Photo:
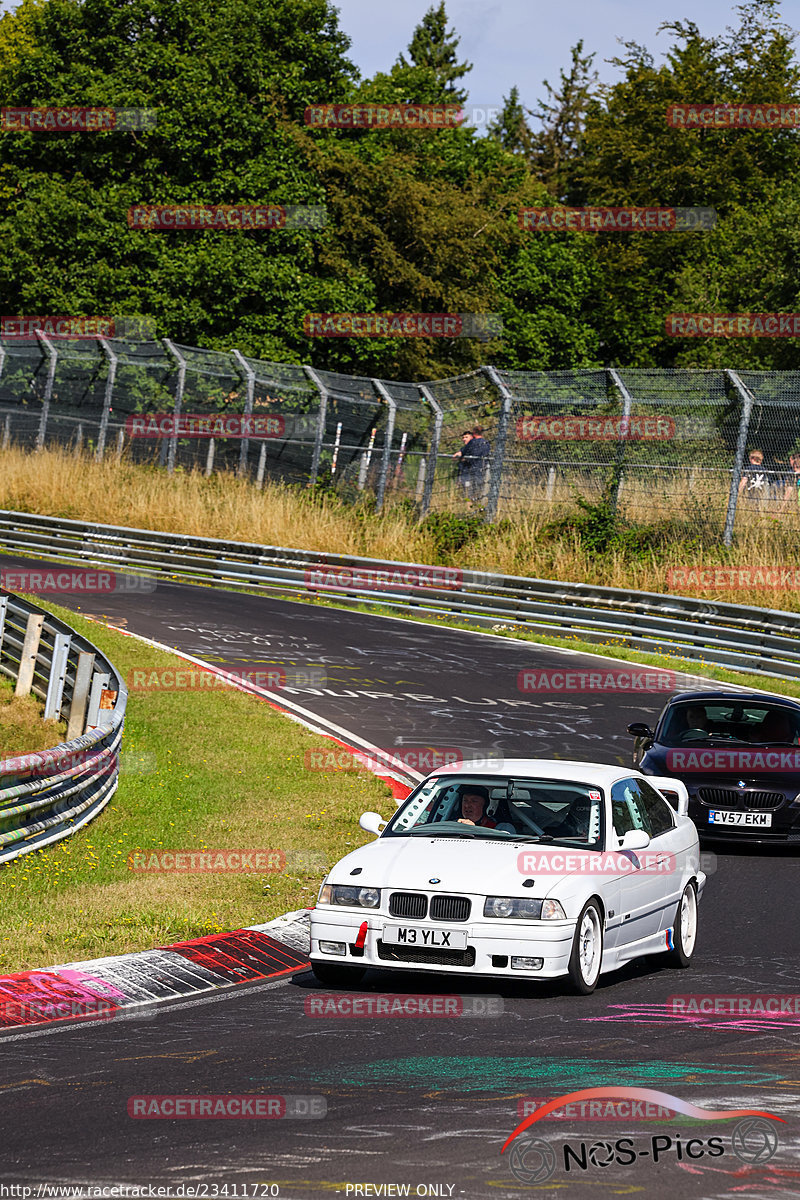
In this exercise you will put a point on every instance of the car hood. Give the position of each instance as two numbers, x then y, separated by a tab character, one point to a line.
654	762
484	867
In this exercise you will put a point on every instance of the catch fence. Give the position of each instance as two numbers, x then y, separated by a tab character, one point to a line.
685	443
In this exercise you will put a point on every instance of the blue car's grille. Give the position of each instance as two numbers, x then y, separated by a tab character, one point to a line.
734	798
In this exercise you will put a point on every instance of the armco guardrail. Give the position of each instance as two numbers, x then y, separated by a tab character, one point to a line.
753	640
49	795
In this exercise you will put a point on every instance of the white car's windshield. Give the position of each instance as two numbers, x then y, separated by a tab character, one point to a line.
502	807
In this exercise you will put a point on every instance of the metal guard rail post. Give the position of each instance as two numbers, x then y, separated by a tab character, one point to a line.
48	795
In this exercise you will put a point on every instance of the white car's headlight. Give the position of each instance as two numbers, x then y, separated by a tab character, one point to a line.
349	897
516	909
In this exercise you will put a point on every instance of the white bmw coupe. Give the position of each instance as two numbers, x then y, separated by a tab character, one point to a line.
538	869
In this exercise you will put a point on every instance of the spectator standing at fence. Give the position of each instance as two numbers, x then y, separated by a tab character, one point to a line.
791	484
473	460
755	481
462	467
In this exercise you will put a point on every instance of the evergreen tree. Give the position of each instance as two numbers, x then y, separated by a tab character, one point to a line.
557	145
434	49
511	129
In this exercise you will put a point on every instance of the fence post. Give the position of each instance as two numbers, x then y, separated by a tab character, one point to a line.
387	442
52	355
29	654
499	455
107	397
321	422
746	397
57	676
250	376
433	454
173	441
210	456
262	465
616	475
80	695
7	422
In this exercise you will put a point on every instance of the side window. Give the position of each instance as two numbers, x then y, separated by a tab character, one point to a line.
658	811
627	808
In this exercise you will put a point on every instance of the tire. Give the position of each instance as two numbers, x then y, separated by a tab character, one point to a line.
684	929
335	975
587	950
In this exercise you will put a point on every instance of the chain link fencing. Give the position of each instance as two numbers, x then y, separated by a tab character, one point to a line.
686	444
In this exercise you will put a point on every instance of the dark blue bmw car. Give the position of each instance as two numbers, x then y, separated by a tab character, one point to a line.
739	756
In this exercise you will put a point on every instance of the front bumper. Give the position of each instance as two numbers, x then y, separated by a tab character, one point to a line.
491	944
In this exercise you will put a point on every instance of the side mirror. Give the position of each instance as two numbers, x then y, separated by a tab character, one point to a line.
372	822
639	729
634	839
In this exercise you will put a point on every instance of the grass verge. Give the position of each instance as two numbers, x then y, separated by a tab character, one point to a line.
22	727
216	770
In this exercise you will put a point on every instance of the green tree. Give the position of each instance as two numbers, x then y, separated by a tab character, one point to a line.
224	86
511	129
557	145
433	49
630	156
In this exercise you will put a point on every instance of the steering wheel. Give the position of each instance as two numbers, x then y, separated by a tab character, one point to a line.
692	733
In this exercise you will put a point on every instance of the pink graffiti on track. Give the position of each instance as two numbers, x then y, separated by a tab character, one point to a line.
665	1014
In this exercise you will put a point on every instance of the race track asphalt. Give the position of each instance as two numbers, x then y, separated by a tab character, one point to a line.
423	1103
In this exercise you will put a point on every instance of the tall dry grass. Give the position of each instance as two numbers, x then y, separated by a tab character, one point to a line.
59	483
684	523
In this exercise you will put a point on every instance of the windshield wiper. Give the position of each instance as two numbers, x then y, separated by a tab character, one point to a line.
424	831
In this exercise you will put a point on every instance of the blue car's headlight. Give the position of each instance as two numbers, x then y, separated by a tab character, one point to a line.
349	897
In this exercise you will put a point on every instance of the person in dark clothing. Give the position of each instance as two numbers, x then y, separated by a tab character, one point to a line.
473	461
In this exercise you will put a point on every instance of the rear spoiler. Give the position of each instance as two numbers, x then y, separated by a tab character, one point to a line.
672	790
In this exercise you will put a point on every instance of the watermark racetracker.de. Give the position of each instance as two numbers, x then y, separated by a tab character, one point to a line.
77	120
220	425
24	328
226	1107
599	219
733	116
711	577
424	1005
391	577
60	581
482	326
234	218
195	861
270	677
638	680
772	325
423	759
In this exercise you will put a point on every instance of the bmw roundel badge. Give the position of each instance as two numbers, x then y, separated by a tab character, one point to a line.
434	881
742	783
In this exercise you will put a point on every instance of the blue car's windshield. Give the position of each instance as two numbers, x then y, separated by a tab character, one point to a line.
502	808
759	723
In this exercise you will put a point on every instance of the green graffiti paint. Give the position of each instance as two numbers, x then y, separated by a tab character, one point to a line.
495	1073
